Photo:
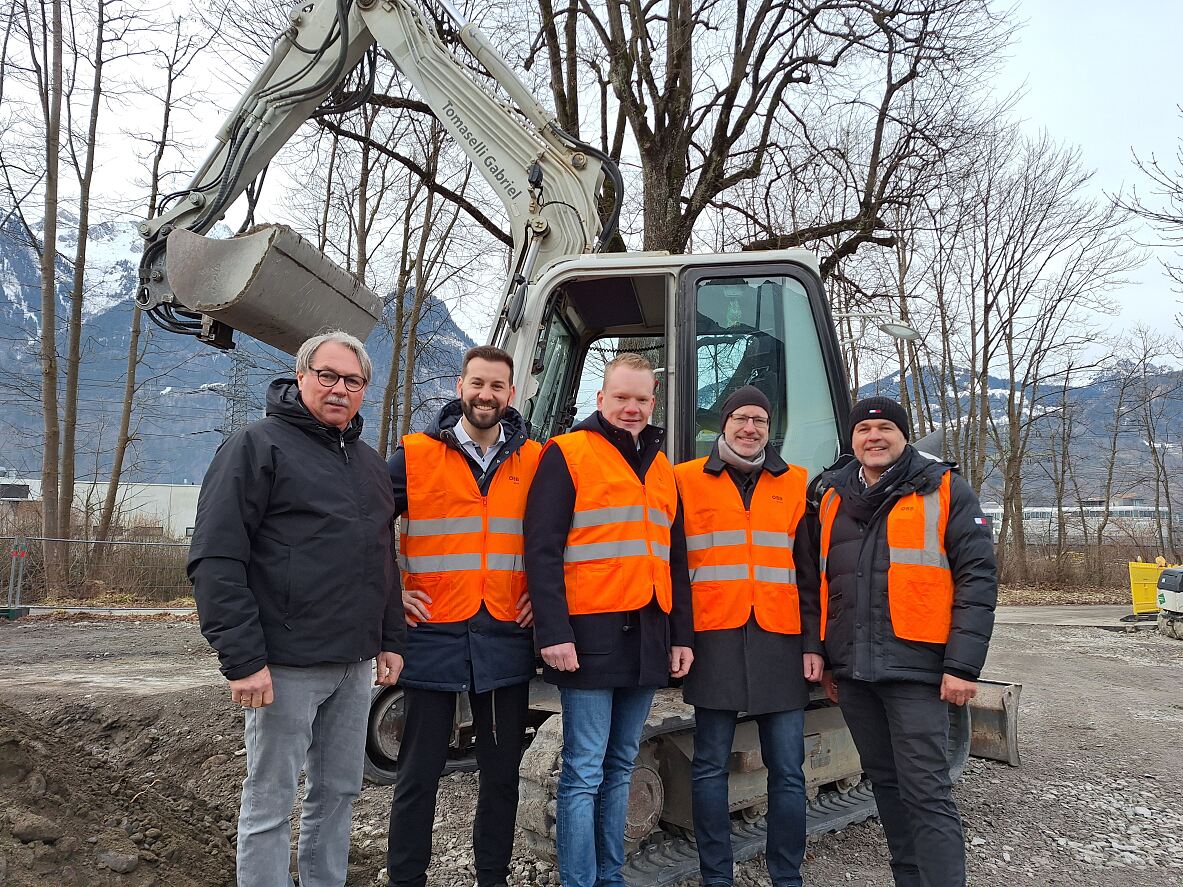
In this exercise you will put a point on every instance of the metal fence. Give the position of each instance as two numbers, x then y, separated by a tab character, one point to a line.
123	572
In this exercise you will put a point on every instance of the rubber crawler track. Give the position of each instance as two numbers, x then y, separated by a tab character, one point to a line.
671	859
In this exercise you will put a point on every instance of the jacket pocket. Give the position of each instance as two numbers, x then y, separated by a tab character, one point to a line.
596	634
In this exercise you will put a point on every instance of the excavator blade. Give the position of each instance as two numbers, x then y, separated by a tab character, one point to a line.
269	283
994	722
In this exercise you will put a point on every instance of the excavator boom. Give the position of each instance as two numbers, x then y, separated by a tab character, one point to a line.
547	181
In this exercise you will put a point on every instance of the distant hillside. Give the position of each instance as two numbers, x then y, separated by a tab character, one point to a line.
181	402
1092	404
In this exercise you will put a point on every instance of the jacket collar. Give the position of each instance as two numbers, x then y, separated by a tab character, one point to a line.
918	473
513	424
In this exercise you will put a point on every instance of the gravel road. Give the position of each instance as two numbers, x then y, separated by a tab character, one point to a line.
1098	799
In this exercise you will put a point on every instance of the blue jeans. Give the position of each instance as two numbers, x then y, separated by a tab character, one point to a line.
601	737
782	745
317	724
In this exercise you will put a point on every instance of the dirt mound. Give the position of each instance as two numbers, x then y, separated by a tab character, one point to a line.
194	736
68	817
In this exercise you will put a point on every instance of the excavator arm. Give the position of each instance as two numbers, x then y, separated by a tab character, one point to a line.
277	287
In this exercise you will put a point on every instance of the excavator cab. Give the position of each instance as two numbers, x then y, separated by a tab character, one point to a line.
710	325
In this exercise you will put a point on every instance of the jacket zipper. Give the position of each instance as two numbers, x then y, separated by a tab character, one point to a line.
341	443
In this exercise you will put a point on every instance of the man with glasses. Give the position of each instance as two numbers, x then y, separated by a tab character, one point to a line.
293	568
755	631
460	488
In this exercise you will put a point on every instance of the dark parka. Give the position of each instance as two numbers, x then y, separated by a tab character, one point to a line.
747	668
292	558
859	640
624	649
481	653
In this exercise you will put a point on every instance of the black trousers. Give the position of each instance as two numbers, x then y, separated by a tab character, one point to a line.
901	731
421	759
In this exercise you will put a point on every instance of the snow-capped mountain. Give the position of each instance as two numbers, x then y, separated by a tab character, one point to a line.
183	387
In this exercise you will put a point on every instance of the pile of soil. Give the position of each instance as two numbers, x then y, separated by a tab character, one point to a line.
68	817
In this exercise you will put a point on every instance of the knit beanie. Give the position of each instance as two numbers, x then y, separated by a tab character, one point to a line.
748	396
880	408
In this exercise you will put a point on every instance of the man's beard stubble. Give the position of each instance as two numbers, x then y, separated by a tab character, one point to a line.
481	421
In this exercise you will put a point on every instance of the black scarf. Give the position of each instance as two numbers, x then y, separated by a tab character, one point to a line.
861	502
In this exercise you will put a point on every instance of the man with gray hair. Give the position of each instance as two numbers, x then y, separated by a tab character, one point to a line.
293	568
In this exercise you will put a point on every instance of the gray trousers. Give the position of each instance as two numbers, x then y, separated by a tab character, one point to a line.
316	724
901	731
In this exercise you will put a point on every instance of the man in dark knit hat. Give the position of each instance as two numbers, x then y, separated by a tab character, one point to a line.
908	589
755	590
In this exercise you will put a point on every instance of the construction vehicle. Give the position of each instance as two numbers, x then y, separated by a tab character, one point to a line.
711	323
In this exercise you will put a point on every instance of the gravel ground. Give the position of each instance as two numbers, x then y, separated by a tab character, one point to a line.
1098	799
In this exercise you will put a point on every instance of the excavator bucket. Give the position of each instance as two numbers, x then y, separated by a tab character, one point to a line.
269	283
994	722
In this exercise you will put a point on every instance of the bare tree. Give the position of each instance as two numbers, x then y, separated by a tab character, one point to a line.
174	60
1162	205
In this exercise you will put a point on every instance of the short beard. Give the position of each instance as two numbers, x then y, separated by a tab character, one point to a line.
481	422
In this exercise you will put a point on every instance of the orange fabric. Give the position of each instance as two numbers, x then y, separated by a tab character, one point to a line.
457	546
617	554
919	580
741	561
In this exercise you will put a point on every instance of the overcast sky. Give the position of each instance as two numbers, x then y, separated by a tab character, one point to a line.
1100	75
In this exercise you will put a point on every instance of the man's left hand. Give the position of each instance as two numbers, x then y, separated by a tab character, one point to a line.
525	617
389	666
957	690
680	661
814	666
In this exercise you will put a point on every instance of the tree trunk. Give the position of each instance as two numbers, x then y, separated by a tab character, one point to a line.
51	101
78	290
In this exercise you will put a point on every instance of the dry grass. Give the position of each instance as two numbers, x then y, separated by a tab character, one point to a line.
1053	596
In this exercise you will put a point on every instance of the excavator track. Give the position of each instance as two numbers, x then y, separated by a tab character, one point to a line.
669	859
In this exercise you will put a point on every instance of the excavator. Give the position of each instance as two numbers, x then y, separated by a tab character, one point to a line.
711	323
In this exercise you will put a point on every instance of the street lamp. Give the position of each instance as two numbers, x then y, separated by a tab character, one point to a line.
894	327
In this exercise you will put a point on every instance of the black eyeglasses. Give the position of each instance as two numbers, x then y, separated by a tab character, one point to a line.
741	420
328	378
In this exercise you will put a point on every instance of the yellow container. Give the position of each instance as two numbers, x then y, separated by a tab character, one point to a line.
1144	586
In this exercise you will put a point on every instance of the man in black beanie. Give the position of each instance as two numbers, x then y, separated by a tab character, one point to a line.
908	590
755	589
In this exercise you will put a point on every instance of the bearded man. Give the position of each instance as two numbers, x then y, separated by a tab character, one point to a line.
460	488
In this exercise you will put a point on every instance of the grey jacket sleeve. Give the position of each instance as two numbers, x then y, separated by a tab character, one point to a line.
230	508
970	547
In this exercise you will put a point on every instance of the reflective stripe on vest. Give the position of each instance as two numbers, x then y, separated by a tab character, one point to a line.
460	548
919	580
618	547
736	572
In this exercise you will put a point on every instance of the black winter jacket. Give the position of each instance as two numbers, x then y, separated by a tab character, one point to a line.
624	649
747	668
480	653
292	557
859	641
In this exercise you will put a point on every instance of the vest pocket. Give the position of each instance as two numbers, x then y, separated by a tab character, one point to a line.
921	605
596	588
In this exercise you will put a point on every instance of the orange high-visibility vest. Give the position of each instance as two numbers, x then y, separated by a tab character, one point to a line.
617	555
742	560
919	581
457	546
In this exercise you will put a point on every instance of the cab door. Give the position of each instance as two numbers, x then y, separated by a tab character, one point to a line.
761	324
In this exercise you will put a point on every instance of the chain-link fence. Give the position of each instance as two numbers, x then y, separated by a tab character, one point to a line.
117	573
